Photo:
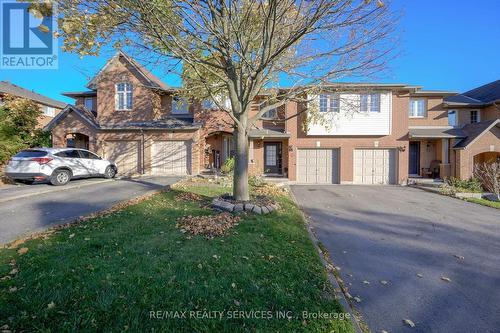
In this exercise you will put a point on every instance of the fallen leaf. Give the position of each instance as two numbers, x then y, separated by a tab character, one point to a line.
244	257
233	285
384	331
270	257
236	303
22	250
357	299
13	289
348	295
51	305
14	271
200	266
420	275
409	322
459	257
384	282
444	278
86	238
215	256
72	235
366	282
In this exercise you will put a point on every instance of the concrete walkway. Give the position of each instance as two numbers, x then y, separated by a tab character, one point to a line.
411	239
31	208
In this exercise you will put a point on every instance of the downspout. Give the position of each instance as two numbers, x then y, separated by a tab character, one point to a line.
142	152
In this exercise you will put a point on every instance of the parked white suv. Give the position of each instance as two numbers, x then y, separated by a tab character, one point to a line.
57	165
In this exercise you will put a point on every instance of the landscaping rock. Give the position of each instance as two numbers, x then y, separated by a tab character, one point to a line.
264	210
270	208
249	207
238	207
257	210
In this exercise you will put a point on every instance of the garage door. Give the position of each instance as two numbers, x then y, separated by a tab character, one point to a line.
125	154
171	157
374	166
317	166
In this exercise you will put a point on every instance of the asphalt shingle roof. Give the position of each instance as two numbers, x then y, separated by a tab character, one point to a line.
484	94
473	131
11	89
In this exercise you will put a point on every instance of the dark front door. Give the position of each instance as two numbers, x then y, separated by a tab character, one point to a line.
272	157
414	158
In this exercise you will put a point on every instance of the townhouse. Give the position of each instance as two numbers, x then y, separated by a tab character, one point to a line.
49	107
364	133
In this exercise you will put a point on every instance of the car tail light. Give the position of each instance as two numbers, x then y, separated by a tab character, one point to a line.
41	160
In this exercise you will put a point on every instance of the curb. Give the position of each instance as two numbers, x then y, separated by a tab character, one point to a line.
326	261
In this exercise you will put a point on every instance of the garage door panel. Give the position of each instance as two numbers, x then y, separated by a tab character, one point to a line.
374	166
125	154
170	157
317	166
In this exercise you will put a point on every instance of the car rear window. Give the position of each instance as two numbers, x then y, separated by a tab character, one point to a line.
31	153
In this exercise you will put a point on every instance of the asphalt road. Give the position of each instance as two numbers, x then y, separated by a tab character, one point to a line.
411	239
30	208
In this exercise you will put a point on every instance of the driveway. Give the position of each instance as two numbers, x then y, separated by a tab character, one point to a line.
29	208
411	238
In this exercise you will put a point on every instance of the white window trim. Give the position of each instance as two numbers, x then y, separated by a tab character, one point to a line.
91	101
125	92
478	116
329	98
411	115
46	110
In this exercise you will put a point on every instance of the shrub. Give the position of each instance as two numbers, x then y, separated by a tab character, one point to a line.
228	166
489	176
455	185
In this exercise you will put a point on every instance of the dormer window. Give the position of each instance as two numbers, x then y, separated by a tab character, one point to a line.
179	105
89	103
123	96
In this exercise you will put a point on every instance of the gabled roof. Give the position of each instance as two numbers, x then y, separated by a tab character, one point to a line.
83	113
481	96
153	81
11	89
475	131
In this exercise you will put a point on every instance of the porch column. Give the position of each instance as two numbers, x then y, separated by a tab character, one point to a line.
445	167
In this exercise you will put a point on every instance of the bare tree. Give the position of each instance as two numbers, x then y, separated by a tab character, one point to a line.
488	173
237	50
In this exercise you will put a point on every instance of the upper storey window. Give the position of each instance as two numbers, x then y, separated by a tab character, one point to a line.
123	96
417	107
48	111
452	117
474	116
329	103
369	102
89	103
179	105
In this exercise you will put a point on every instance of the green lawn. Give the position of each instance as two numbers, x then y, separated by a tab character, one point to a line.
108	274
484	202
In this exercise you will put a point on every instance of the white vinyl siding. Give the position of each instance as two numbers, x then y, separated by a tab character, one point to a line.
376	120
417	108
170	158
123	97
374	166
317	166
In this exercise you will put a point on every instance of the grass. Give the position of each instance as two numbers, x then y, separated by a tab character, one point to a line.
484	202
109	273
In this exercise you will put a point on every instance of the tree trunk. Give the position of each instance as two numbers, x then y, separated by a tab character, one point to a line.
240	175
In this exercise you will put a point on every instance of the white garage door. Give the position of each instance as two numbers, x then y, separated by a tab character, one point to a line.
374	166
125	154
171	158
317	166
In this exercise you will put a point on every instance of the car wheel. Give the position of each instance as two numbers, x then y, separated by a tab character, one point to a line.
60	177
110	172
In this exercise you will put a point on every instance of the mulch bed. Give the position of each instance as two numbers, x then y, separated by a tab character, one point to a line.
209	226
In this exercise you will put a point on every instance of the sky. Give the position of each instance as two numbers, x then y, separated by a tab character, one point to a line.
445	45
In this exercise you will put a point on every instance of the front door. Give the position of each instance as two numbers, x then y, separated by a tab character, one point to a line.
272	157
414	158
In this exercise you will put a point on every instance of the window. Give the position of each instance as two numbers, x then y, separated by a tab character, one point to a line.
452	118
89	103
270	114
417	108
31	153
48	111
88	155
329	103
474	116
369	102
123	96
68	154
179	106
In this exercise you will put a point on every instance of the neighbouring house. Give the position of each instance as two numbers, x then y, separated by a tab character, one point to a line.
49	107
375	133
